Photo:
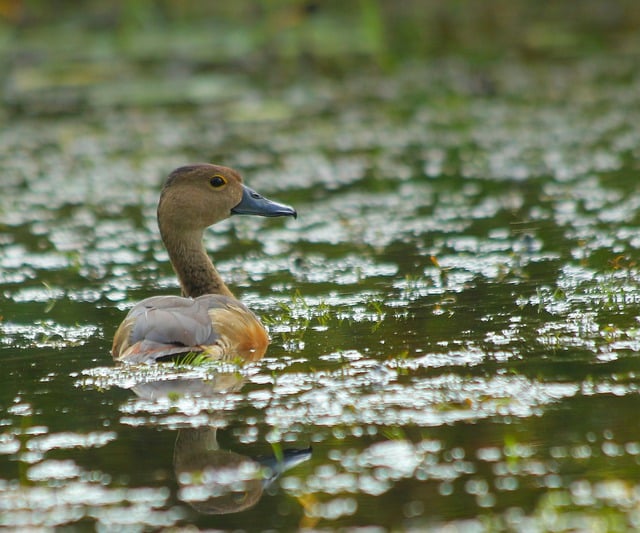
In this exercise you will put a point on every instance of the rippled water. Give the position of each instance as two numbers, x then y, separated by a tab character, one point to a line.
453	314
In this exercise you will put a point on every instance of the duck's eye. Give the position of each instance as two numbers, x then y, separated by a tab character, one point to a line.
217	181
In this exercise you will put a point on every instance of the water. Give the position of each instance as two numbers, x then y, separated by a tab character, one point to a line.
453	314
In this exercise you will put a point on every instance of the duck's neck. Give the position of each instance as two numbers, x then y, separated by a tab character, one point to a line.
195	270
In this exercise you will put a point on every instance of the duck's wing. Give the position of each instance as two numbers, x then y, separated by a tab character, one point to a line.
164	326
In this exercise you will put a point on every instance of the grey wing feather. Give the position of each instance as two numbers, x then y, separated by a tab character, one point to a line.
175	320
163	326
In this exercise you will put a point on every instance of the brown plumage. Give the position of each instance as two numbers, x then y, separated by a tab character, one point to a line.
207	318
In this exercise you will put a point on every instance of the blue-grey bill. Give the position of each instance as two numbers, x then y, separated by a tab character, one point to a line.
253	203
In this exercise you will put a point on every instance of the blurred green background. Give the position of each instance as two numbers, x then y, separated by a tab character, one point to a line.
331	33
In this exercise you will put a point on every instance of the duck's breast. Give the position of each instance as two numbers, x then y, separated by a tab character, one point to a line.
162	326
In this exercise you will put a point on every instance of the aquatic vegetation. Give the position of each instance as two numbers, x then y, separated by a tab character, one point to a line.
454	316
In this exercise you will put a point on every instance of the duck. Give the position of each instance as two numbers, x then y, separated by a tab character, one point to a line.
207	318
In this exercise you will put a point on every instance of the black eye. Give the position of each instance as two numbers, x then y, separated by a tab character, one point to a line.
217	181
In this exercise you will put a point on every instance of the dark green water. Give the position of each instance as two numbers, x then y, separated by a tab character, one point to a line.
453	314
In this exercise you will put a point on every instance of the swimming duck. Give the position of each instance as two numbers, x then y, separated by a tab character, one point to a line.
207	318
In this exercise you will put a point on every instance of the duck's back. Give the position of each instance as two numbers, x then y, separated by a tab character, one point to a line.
164	326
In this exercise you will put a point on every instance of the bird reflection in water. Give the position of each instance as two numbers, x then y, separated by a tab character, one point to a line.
216	481
213	480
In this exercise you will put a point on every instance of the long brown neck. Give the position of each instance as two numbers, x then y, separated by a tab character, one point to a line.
195	270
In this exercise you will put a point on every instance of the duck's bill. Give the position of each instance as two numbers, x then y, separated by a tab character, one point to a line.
253	203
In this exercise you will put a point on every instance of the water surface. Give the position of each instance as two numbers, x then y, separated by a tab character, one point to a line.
453	315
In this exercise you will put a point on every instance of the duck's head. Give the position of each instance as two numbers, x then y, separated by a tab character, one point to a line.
197	196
